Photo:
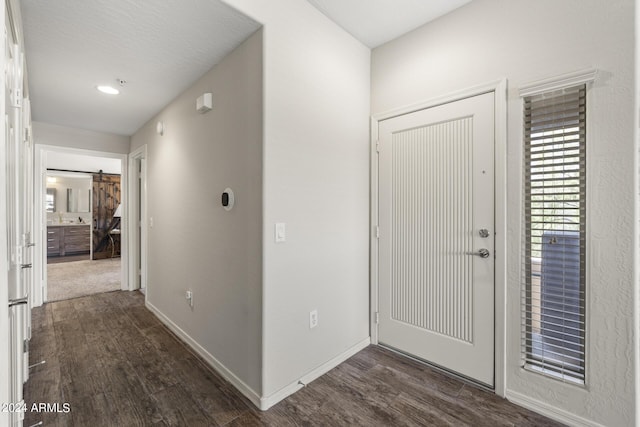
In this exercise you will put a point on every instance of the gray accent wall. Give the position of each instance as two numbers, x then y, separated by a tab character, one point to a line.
194	244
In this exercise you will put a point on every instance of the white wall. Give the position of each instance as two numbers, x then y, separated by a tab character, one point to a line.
64	160
194	243
636	245
525	41
63	136
316	181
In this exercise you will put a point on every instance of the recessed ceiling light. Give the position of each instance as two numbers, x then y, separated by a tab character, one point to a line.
108	90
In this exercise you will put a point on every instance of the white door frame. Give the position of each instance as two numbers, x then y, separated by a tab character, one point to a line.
39	290
138	155
499	87
5	360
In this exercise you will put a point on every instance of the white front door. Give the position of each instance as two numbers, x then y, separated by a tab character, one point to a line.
436	248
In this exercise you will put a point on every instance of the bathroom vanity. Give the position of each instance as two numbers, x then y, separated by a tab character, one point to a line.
68	239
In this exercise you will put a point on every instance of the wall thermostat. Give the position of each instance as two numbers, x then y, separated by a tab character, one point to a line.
227	199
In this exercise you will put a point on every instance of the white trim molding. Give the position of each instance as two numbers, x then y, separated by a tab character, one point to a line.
269	401
137	249
549	411
440	100
39	290
558	82
247	391
263	403
499	88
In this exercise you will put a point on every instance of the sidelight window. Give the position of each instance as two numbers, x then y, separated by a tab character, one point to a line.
553	317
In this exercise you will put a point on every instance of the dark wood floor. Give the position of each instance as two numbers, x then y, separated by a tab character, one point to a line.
117	365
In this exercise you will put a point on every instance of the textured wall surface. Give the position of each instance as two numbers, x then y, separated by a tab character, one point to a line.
194	243
525	41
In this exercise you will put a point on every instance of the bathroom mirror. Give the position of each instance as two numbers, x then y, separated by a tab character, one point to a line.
50	201
78	200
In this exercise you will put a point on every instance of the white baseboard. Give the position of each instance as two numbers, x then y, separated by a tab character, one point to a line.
263	403
247	391
549	411
267	402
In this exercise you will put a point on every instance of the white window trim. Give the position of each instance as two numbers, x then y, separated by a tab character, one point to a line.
558	82
587	77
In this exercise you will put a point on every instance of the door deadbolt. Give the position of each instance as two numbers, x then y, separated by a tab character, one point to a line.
484	233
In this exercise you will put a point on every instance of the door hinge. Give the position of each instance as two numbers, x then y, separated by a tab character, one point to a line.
377	232
21	413
17	98
377	317
377	146
25	346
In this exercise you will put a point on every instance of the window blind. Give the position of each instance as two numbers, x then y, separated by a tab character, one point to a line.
553	297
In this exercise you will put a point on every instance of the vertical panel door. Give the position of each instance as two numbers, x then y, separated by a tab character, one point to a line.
436	248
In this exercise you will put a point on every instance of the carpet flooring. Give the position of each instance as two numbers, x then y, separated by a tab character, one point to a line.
80	278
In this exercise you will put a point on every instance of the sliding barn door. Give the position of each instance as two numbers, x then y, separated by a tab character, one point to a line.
106	199
436	249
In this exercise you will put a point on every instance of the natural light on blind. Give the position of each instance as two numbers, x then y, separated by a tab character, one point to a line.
553	335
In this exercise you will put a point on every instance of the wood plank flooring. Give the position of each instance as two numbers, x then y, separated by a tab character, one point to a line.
117	365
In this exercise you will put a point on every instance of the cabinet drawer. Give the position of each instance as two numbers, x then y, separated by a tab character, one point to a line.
53	250
53	232
77	230
79	247
77	239
73	245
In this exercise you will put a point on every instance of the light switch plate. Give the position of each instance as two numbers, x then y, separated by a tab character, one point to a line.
281	234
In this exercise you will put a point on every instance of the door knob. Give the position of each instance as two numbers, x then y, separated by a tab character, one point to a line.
482	253
484	233
26	265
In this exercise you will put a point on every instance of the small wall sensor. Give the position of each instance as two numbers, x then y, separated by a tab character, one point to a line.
228	199
160	128
204	103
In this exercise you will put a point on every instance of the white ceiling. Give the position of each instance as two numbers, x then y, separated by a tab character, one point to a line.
375	22
161	48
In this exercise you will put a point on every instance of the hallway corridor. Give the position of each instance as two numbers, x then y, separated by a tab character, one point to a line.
117	365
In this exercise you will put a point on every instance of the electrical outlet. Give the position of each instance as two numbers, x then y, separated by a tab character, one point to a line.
313	319
189	297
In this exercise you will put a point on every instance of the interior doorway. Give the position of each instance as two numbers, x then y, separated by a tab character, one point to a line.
137	224
67	226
